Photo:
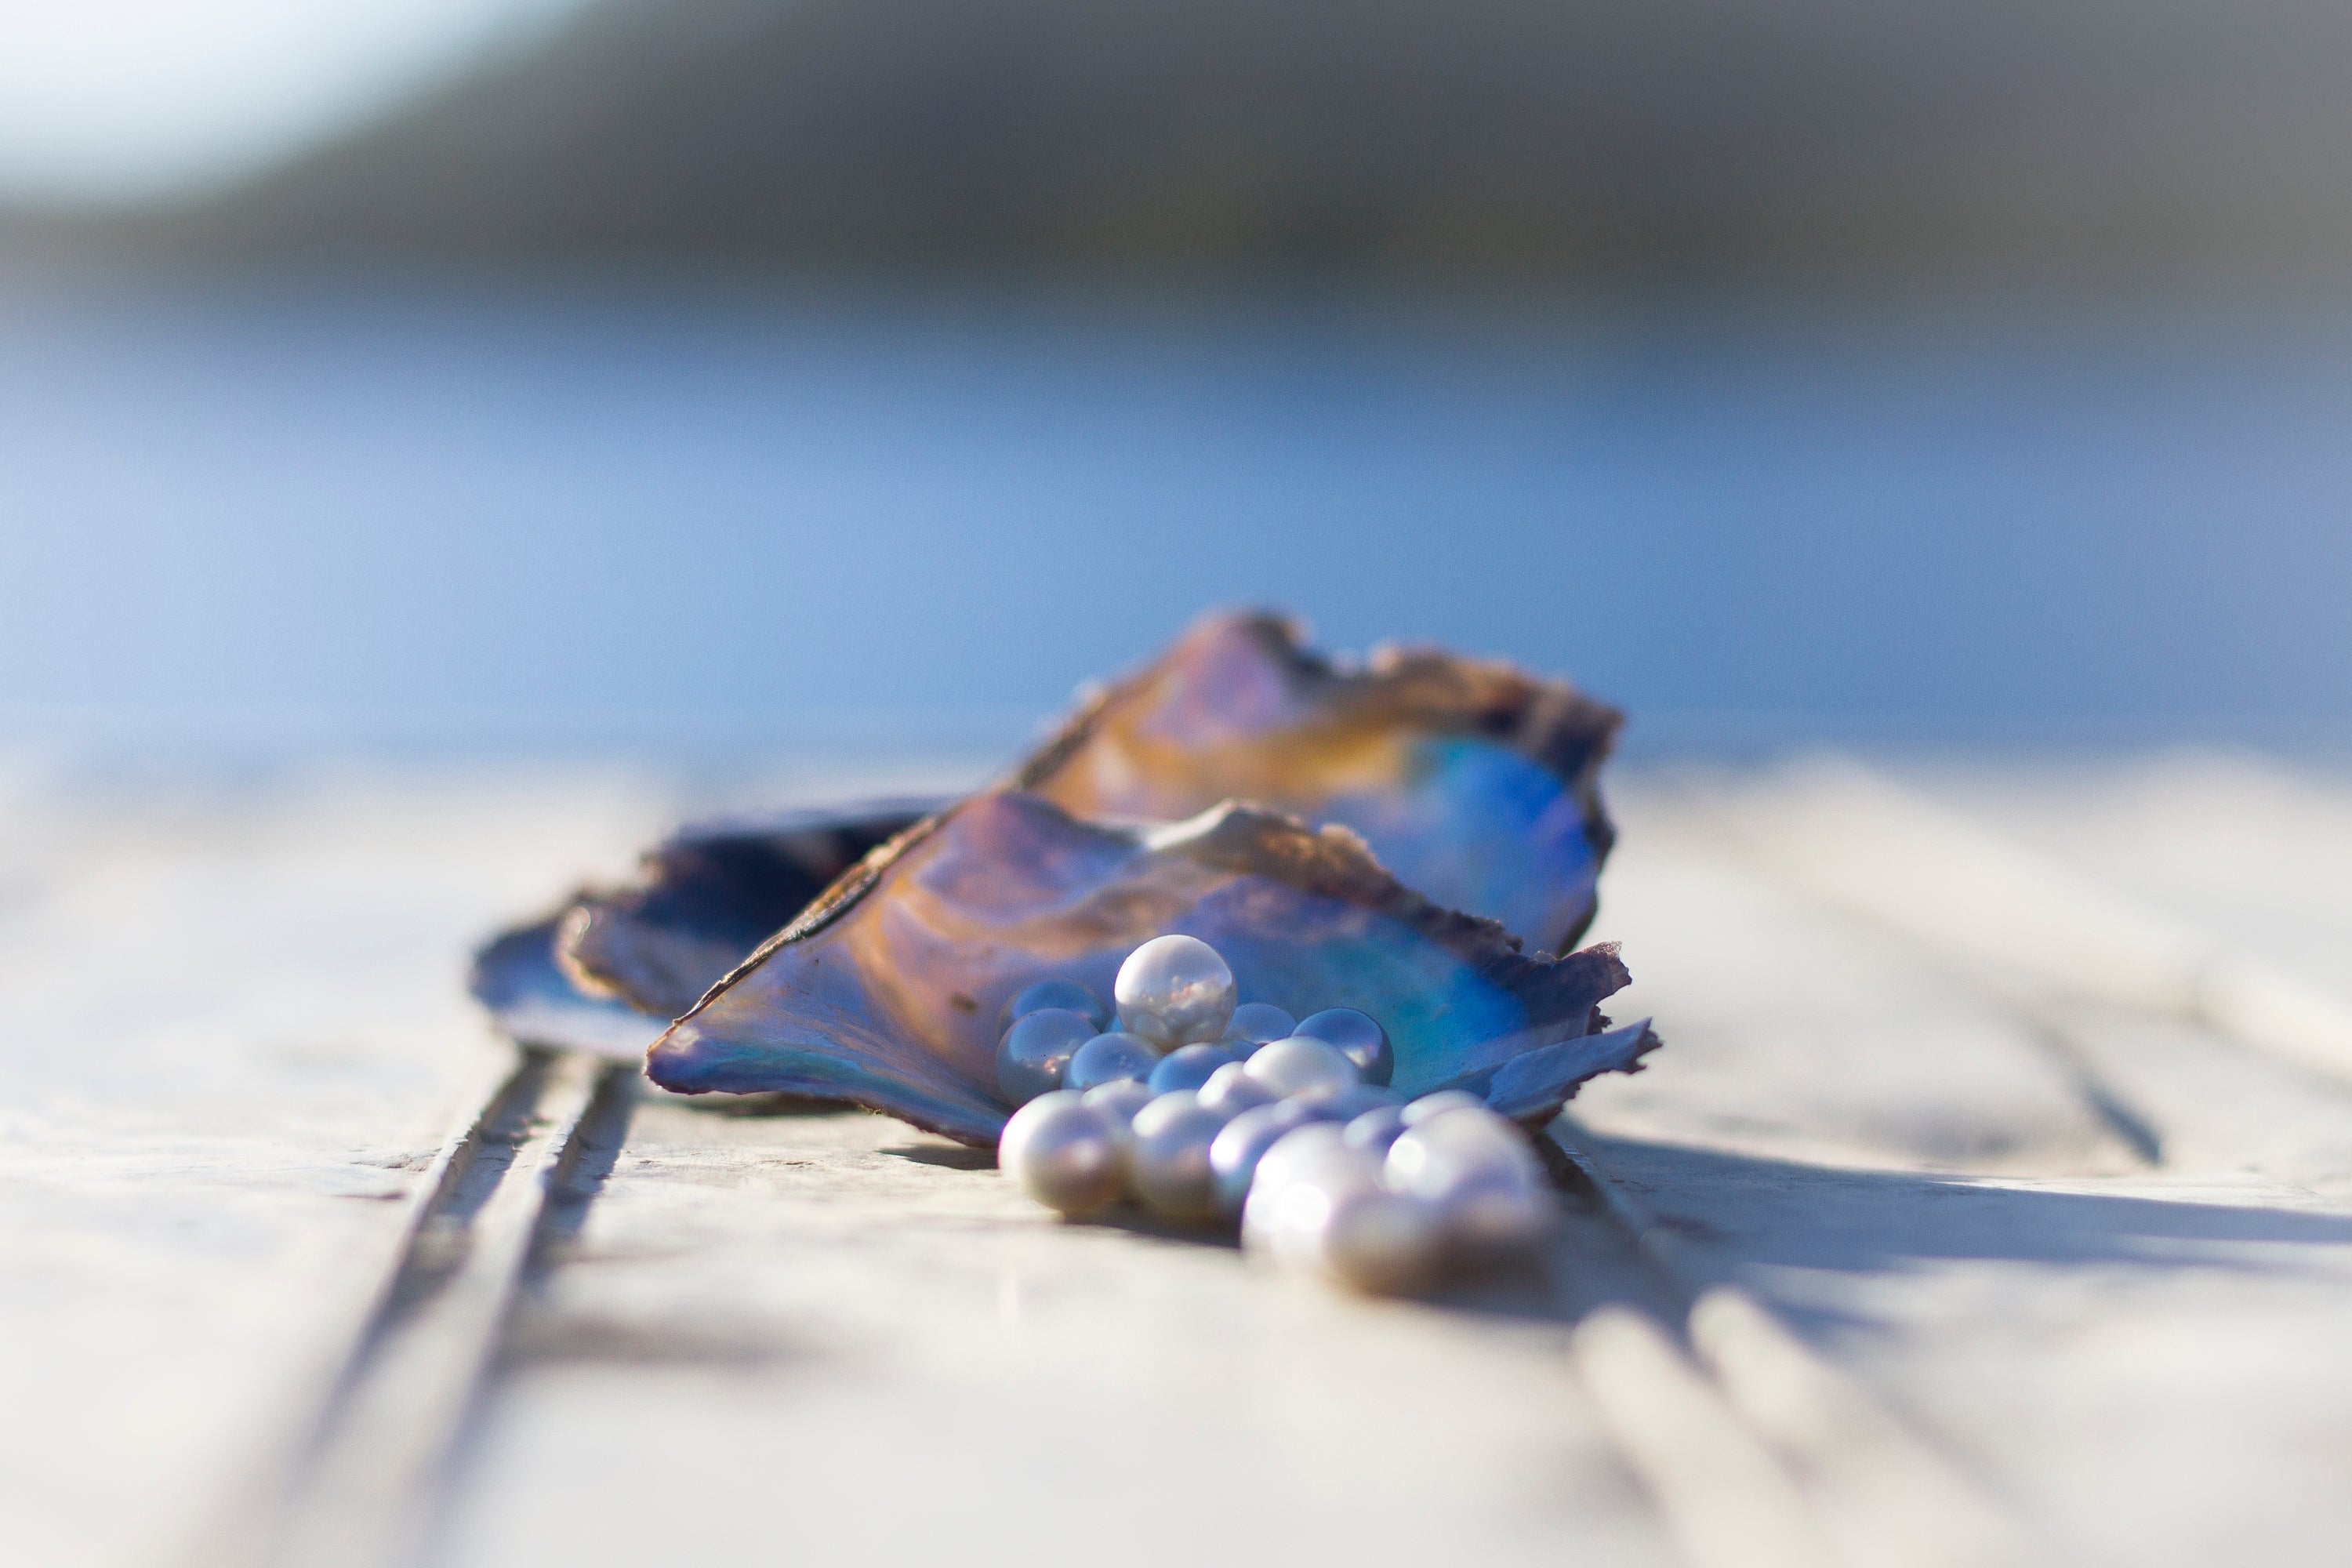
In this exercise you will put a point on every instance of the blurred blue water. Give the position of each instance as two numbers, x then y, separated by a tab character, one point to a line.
640	520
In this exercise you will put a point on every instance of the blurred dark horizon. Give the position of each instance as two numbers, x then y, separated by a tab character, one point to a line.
1805	145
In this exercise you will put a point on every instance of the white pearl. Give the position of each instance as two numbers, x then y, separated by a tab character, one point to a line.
1189	1066
1375	1129
1105	1059
1357	1098
1062	1152
1429	1105
1118	1100
1255	1024
1301	1068
1169	1161
1359	1037
1389	1244
1034	1054
1230	1090
1174	990
1297	1179
1235	1156
1064	994
1477	1169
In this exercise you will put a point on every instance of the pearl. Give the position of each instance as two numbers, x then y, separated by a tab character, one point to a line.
1301	1068
1359	1037
1034	1054
1295	1181
1357	1098
1429	1105
1255	1024
1061	1152
1189	1066
1118	1100
1375	1129
1172	991
1230	1090
1242	1144
1384	1243
1109	1057
1170	1162
1064	993
1477	1169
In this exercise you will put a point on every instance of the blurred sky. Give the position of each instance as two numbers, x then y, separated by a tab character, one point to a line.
110	99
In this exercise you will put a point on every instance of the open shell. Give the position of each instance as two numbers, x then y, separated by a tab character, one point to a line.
885	993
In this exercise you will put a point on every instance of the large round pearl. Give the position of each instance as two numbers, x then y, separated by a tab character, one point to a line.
1170	1160
1189	1066
1255	1024
1118	1100
1239	1148
1389	1244
1034	1054
1294	1180
1174	990
1477	1169
1302	1069
1429	1105
1230	1090
1106	1058
1359	1037
1064	994
1061	1152
1375	1129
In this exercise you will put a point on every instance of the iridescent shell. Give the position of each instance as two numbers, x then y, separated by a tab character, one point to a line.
886	991
1475	784
610	968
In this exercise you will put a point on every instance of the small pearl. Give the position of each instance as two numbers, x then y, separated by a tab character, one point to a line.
1170	1162
1375	1129
1359	1037
1109	1057
1061	1152
1230	1090
1477	1169
1172	991
1034	1054
1239	1148
1064	994
1255	1024
1189	1066
1429	1105
1357	1098
1298	1068
1118	1100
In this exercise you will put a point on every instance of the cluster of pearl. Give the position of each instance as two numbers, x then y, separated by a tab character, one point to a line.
1203	1111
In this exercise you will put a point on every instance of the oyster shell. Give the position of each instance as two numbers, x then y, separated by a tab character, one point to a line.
886	991
1475	784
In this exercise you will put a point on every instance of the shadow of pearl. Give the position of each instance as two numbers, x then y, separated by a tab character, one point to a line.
1188	1066
1067	995
1358	1035
1299	1068
1172	991
1106	1058
1033	1057
1170	1160
1062	1151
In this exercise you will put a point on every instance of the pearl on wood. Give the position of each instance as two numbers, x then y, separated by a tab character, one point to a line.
1169	1163
1477	1170
1034	1054
1358	1035
1106	1058
1062	1152
1172	991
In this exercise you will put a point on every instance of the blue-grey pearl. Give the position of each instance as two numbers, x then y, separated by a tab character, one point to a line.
1109	1057
1357	1098
1359	1037
1061	1152
1188	1066
1236	1154
1429	1105
1230	1090
1255	1024
1172	991
1064	994
1477	1170
1375	1129
1169	1163
1299	1068
1033	1057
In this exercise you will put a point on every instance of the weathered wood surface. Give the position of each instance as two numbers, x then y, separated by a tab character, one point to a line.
1938	1234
